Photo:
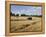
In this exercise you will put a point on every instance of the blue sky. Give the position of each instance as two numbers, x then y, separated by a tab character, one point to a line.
28	10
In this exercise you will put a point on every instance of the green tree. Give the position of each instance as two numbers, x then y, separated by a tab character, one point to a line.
17	15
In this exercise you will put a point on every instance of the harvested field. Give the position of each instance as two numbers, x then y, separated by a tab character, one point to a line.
22	24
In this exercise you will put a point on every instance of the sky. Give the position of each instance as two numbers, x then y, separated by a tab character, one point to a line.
28	10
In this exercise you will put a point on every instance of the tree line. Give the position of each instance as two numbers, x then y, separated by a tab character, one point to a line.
24	15
17	14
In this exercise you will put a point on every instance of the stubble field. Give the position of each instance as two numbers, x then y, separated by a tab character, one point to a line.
22	24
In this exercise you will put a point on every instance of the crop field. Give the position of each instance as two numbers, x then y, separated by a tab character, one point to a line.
23	24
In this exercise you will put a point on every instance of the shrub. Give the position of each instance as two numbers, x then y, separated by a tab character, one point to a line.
29	18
